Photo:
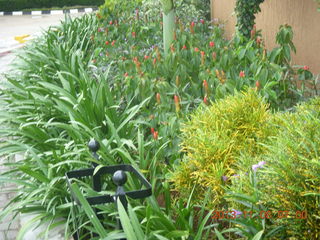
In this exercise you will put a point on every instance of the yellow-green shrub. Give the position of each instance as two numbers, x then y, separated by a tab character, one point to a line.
291	179
215	137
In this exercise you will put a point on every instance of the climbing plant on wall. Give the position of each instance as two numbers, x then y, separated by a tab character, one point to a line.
245	11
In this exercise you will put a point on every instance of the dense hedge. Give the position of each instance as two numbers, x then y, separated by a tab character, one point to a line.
16	5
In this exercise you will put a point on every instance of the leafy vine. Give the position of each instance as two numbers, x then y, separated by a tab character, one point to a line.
245	11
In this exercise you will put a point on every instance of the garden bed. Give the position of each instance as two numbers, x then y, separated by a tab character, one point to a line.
207	123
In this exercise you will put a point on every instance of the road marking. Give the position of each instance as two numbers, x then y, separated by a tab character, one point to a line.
73	10
36	12
56	12
17	13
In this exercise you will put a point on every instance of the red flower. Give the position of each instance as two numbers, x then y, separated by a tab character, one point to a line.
211	44
133	34
110	22
113	42
126	74
107	42
155	135
196	49
158	98
202	53
154	61
258	84
202	21
205	100
184	47
242	74
192	24
99	30
306	68
205	86
152	130
177	102
146	57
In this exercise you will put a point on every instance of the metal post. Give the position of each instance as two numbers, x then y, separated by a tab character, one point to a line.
120	178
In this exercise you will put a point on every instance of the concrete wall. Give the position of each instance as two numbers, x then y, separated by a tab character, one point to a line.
302	15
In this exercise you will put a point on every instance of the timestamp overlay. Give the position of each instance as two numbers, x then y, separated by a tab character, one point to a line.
280	214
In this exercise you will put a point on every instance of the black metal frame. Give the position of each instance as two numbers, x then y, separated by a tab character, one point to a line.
88	172
119	178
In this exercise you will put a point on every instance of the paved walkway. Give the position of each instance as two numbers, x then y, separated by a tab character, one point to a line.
11	26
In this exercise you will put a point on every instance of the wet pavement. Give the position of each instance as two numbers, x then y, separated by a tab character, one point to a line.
11	26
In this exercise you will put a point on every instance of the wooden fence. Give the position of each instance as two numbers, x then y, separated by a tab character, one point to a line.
302	15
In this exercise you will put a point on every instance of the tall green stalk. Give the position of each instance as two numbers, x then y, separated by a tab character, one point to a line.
168	23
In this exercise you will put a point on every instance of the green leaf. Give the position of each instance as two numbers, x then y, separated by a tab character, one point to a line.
258	235
126	223
88	210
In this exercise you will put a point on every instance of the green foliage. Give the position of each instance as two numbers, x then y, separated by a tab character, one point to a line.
16	5
245	11
215	137
293	165
51	110
289	178
106	78
254	221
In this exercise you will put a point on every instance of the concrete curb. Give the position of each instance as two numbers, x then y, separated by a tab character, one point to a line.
47	12
7	51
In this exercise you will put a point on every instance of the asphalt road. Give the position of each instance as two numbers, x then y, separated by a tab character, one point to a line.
11	26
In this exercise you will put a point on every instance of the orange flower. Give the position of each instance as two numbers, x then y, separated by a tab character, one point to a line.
154	61
258	84
158	98
177	102
146	57
152	130
242	74
205	100
205	86
192	27
155	135
196	49
202	57
133	34
107	42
